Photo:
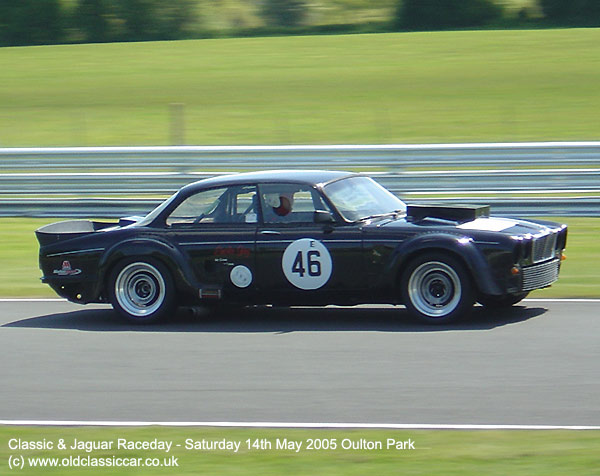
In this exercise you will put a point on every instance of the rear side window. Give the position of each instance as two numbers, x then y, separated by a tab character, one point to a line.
219	206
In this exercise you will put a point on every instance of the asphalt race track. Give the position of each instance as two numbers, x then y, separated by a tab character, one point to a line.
535	364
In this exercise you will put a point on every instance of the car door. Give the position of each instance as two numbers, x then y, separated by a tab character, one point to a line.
300	261
216	229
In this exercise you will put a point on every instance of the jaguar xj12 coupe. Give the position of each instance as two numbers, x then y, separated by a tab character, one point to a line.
300	238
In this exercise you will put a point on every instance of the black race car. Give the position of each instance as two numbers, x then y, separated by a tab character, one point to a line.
300	238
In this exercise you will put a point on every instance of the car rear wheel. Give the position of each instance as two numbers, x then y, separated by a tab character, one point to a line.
142	290
437	289
499	302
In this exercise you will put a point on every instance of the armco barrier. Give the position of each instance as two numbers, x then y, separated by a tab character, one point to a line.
515	178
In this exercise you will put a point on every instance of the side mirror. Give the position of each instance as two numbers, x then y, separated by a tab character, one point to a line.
322	216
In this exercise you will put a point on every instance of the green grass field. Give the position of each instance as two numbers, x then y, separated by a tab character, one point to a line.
493	453
19	274
385	88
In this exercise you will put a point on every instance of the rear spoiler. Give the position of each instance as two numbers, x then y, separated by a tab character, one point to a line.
68	229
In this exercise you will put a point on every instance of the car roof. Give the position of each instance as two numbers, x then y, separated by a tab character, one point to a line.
310	177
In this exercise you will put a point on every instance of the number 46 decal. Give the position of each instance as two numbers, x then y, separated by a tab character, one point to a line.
314	265
307	264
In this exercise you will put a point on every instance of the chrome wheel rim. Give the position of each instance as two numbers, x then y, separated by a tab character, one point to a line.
434	289
140	289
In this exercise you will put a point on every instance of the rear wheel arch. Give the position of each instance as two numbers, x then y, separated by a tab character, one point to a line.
117	259
141	289
139	250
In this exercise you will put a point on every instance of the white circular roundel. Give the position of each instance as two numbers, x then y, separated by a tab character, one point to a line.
307	264
241	276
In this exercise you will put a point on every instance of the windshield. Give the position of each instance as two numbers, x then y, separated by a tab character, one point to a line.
362	197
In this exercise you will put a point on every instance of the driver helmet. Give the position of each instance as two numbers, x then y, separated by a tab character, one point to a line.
281	203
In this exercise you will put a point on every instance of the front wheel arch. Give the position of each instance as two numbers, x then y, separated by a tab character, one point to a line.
406	261
437	287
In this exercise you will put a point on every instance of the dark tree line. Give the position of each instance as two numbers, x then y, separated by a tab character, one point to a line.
446	14
133	20
30	22
572	12
33	22
284	12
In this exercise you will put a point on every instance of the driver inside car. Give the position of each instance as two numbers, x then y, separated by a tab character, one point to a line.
281	203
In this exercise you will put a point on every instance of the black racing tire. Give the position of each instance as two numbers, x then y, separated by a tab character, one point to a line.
437	289
500	302
141	290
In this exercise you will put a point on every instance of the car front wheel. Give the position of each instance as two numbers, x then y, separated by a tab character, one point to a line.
437	289
141	290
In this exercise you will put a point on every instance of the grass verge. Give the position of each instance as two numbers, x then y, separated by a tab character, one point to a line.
436	452
464	86
19	274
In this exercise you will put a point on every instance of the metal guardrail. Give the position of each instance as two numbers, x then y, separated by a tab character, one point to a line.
491	182
231	158
87	181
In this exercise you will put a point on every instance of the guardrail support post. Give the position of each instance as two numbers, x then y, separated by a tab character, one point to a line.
177	123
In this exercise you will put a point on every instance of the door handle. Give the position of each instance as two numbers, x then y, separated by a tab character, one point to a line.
270	232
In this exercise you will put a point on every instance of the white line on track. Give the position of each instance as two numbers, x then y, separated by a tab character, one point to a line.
562	300
32	300
525	300
230	424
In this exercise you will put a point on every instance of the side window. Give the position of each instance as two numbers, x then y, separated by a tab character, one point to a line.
219	205
246	206
289	203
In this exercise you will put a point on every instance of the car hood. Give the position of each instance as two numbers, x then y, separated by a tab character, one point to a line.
507	226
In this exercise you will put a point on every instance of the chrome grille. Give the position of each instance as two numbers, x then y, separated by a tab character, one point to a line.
543	247
540	275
